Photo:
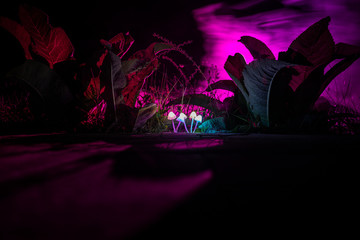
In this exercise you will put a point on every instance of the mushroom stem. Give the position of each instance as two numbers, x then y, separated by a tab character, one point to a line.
186	128
195	126
192	121
175	130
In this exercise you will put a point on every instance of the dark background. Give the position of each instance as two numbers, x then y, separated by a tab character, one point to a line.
88	22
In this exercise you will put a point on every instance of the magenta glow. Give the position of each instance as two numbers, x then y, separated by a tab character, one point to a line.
222	26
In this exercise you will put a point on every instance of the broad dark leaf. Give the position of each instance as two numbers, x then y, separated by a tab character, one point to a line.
228	85
51	88
19	32
316	43
213	125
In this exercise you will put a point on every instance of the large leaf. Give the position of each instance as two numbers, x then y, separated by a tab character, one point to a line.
114	80
144	114
228	85
336	70
19	32
234	66
50	43
200	100
258	76
93	91
316	43
140	66
135	82
50	87
119	44
213	125
257	48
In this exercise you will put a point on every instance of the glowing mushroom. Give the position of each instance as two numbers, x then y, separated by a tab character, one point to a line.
198	119
192	117
181	119
171	117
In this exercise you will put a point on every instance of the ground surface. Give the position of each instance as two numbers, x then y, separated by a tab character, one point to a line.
68	186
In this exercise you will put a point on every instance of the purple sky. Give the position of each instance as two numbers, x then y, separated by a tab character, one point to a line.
223	24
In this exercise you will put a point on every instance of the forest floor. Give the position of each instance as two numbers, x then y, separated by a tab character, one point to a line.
176	186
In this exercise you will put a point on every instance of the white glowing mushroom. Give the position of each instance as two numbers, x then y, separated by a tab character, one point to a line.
171	117
181	119
192	117
198	119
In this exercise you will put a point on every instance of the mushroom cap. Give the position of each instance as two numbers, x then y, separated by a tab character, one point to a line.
171	116
182	117
198	118
192	115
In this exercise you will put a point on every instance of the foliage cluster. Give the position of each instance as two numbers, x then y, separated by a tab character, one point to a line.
114	93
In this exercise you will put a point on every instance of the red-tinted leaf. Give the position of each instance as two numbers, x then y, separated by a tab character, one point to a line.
121	44
303	73
93	90
316	43
50	43
235	65
257	48
135	81
151	51
19	32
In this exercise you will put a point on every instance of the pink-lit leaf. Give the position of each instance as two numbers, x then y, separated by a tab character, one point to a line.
336	70
50	43
257	48
19	32
316	43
